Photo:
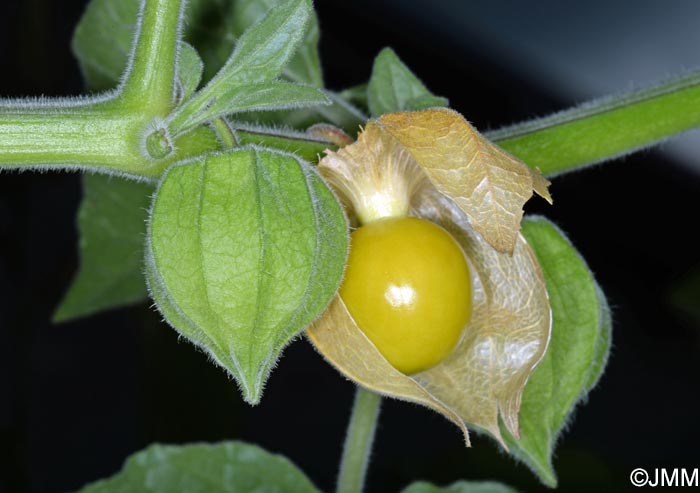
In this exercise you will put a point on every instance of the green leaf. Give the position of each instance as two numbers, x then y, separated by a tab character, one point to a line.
424	102
189	71
577	353
102	41
393	87
103	37
232	98
265	48
230	467
112	227
460	487
245	82
356	95
246	248
340	113
111	223
305	66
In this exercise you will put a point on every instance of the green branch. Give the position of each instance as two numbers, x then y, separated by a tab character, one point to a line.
358	442
305	146
604	129
150	77
105	133
85	135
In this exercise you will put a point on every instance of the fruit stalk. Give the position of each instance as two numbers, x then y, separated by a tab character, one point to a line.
358	441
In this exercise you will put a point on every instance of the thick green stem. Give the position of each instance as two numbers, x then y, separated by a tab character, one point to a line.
105	133
604	129
89	135
151	78
358	442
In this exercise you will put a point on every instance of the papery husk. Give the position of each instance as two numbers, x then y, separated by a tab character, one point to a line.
489	185
507	336
374	177
336	336
486	373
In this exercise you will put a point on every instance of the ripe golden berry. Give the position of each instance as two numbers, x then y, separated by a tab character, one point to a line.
408	287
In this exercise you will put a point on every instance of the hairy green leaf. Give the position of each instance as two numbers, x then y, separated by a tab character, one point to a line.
189	71
230	467
460	487
112	227
111	222
246	248
339	112
232	98
393	87
305	66
577	353
246	81
104	34
265	47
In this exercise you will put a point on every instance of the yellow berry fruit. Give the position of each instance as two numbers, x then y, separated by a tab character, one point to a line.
408	287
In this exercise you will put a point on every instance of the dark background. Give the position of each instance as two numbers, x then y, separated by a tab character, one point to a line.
77	398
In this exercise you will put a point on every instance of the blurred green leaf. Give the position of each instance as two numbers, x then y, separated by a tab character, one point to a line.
393	87
102	41
684	296
247	247
356	95
577	353
230	467
111	223
460	487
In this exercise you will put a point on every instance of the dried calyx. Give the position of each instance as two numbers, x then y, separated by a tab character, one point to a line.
433	166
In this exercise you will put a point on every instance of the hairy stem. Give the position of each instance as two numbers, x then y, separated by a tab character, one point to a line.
358	442
151	75
604	129
89	135
305	146
226	134
105	133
